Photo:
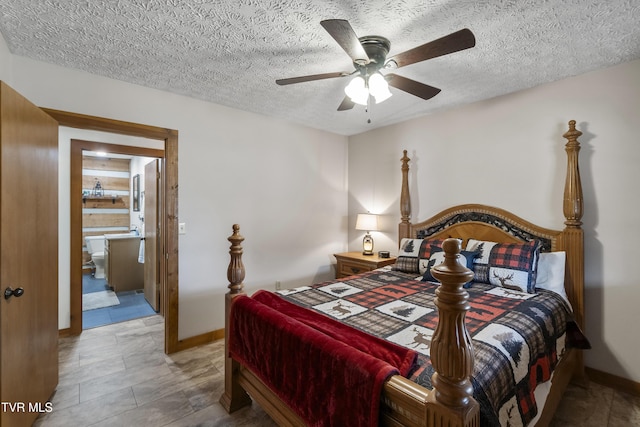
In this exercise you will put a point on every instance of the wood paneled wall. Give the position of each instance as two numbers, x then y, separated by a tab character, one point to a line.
117	189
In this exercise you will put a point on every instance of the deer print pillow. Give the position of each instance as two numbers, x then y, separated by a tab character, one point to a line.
510	265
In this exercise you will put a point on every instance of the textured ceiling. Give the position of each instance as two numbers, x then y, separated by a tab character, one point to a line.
231	52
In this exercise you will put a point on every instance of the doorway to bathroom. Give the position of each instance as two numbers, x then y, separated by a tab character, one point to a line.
169	221
120	208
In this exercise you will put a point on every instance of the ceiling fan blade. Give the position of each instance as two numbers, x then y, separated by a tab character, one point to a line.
454	42
411	86
292	80
346	104
343	33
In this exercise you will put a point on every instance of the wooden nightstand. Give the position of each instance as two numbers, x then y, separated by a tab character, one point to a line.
350	263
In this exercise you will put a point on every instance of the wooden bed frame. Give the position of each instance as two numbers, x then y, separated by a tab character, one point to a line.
450	403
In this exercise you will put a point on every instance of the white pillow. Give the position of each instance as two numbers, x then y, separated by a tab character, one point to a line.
551	273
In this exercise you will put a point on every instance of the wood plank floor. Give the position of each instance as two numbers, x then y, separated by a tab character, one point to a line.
118	375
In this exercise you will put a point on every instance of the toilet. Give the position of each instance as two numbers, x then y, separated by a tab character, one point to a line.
95	246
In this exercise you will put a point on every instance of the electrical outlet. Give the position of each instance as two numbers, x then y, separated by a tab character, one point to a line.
278	285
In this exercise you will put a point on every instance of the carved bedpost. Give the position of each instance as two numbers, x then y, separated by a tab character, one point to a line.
235	271
573	235
404	229
451	350
234	396
573	205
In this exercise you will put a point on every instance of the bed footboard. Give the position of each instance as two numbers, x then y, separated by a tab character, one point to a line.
404	403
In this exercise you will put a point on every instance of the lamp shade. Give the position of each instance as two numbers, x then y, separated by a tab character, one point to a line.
367	222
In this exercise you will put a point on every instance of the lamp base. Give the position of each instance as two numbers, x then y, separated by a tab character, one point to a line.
367	245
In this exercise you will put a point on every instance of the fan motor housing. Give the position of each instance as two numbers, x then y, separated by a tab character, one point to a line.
377	48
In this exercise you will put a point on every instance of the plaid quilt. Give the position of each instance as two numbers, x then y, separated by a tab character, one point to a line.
518	337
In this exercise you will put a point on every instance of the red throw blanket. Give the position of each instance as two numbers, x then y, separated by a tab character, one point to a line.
328	373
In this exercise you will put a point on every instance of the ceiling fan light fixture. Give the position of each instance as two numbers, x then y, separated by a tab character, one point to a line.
357	91
369	56
379	88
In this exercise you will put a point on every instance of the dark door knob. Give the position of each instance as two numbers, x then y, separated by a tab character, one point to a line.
8	293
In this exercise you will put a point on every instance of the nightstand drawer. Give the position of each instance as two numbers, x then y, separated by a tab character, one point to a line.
350	263
349	268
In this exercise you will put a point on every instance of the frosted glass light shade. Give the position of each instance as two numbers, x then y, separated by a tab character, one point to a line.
379	88
357	91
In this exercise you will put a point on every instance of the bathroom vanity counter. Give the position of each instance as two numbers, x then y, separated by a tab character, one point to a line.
122	269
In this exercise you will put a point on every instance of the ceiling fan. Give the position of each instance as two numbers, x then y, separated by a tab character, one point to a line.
369	56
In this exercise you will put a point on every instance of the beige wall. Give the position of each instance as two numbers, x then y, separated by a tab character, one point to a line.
509	152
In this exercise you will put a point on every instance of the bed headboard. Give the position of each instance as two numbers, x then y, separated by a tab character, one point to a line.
483	222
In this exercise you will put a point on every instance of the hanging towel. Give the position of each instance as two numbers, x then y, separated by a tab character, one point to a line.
141	252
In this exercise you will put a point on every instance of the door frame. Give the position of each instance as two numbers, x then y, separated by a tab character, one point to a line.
169	226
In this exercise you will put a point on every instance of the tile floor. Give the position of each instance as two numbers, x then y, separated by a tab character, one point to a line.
132	305
118	375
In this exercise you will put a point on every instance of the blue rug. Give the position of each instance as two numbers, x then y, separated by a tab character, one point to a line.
90	284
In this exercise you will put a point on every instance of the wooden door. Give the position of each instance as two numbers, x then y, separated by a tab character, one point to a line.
151	234
28	259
